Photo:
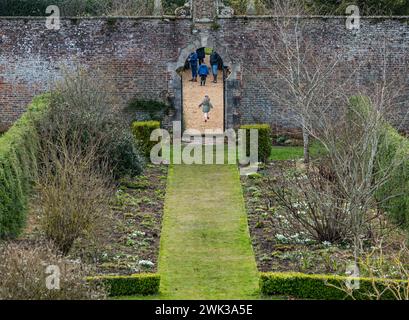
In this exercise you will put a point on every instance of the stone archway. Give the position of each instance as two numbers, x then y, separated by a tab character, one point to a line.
232	82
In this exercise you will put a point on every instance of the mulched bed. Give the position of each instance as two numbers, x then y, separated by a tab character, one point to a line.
278	251
133	244
130	243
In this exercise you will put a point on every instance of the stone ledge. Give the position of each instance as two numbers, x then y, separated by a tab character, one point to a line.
97	18
312	17
173	17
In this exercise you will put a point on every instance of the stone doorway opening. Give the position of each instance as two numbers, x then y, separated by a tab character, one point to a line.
193	94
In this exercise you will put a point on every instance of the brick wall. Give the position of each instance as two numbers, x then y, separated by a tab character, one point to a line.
140	57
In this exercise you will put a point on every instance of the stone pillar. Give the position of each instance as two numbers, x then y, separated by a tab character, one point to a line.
233	97
157	8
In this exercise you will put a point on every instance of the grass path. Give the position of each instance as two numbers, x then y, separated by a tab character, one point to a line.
206	250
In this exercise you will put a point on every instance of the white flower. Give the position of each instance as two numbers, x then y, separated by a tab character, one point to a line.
281	237
146	263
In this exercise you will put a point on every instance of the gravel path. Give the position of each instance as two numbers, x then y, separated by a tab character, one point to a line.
193	95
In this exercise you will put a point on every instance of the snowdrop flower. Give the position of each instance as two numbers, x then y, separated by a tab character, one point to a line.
146	263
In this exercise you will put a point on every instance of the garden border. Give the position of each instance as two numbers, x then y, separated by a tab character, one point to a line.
319	286
135	284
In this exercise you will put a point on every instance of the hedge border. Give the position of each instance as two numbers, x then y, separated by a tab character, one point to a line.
314	286
142	133
18	167
265	141
135	284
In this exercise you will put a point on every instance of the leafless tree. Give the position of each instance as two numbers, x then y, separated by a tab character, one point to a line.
301	72
316	88
352	140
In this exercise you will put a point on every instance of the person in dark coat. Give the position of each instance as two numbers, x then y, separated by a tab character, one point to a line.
214	62
193	65
203	73
201	55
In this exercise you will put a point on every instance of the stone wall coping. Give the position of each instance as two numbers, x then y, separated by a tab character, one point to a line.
98	18
313	17
172	17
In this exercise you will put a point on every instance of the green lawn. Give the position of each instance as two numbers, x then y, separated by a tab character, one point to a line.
279	153
206	250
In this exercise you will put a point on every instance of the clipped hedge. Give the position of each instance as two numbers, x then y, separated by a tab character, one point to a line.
265	142
394	153
142	132
147	110
136	284
317	287
18	166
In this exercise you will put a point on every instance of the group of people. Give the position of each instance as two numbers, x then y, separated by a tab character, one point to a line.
199	67
196	61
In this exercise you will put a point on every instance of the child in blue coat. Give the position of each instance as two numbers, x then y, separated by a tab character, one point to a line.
203	73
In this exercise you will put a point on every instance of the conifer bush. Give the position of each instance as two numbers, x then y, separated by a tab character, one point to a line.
265	142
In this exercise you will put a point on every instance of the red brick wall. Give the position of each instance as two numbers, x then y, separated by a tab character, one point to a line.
137	53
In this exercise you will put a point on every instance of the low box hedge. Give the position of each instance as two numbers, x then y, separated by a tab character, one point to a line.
136	284
18	166
317	286
145	110
142	132
265	142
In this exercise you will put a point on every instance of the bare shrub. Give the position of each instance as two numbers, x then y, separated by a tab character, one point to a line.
73	195
313	203
23	275
83	106
334	199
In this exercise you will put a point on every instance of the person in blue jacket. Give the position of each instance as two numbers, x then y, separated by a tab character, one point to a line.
203	73
193	65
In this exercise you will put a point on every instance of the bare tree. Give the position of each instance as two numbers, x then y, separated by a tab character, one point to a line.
352	140
301	72
316	88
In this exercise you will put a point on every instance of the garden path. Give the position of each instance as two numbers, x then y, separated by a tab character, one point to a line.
206	250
